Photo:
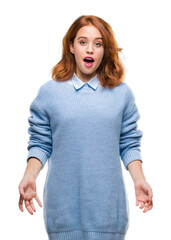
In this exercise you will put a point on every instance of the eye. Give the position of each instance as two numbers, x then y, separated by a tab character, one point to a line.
98	44
82	42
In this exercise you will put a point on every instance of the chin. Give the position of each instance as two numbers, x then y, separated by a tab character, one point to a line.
89	71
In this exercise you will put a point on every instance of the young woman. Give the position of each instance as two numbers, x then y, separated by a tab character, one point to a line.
83	122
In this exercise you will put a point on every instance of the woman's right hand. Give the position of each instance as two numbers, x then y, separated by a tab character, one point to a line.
27	190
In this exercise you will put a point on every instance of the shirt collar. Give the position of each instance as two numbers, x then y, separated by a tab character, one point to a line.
78	83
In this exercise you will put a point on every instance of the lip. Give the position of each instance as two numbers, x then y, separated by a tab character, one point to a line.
88	64
89	57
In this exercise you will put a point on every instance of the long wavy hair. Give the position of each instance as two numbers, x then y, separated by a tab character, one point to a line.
110	71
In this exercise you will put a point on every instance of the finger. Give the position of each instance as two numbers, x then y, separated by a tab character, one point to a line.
21	191
28	207
137	203
32	205
149	207
146	207
38	200
150	194
20	204
141	205
150	203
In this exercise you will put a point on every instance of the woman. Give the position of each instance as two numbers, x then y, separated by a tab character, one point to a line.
82	122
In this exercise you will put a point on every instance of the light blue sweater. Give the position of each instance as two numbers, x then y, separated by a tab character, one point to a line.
83	131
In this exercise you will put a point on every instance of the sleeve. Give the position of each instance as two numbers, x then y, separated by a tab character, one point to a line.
130	136
40	140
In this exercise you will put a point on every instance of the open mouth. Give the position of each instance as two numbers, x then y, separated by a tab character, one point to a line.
88	59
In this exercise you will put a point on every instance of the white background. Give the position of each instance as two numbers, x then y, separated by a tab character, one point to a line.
31	44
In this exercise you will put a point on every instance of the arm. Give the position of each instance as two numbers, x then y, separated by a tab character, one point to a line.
143	190
40	141
40	147
33	168
136	171
130	141
27	186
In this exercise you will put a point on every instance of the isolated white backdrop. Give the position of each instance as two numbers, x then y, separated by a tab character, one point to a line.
31	44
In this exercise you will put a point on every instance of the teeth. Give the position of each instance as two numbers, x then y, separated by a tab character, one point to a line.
89	60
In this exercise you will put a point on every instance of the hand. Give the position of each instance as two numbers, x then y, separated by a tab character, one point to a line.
27	189
144	195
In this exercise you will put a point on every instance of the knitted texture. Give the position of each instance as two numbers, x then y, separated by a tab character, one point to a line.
84	132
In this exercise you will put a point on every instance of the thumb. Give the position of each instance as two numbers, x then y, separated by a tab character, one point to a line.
150	194
21	190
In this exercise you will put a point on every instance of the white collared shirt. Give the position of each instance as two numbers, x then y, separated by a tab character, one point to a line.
78	83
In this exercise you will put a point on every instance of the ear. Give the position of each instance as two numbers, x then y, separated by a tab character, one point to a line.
71	48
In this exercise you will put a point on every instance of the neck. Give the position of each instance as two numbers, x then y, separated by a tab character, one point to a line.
85	77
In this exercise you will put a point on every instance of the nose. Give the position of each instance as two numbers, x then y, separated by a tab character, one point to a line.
90	48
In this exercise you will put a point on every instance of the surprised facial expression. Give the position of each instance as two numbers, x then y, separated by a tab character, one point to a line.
88	51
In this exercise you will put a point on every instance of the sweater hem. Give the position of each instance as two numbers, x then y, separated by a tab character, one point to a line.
86	235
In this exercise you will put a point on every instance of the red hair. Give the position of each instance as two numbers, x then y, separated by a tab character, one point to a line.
110	71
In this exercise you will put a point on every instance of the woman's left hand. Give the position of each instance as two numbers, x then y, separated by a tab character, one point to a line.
143	194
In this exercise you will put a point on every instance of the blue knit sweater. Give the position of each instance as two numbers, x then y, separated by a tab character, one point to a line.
83	131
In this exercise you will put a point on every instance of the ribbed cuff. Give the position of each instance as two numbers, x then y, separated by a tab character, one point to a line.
130	156
86	235
37	153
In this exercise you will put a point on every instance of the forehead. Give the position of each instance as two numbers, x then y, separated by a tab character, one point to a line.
89	32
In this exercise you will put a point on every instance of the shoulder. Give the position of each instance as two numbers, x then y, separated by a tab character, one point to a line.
45	91
47	88
126	91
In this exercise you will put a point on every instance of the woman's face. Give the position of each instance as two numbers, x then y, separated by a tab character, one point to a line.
87	44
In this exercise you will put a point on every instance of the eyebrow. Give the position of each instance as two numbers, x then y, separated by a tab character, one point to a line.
86	37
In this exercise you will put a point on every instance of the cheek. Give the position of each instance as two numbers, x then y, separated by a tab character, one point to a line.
101	53
78	51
